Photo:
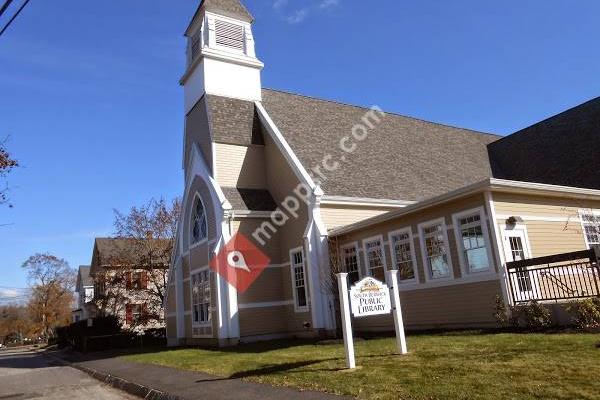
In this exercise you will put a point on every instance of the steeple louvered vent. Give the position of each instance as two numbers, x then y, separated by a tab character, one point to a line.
229	35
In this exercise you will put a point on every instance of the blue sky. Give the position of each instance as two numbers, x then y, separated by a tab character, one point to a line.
90	100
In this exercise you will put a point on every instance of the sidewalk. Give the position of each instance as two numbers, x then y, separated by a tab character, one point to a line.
157	382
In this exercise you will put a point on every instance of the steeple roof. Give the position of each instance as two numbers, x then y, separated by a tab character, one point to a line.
229	8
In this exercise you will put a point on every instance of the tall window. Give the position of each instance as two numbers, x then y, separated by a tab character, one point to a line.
134	313
374	258
201	297
472	242
403	254
199	227
435	250
590	221
350	261
299	280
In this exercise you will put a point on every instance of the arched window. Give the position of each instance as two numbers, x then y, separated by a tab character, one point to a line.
199	227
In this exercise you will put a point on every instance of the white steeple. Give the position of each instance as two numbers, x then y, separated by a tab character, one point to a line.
221	59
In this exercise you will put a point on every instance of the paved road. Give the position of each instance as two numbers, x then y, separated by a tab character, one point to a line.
27	375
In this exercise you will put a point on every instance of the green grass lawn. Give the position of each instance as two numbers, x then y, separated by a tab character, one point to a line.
454	365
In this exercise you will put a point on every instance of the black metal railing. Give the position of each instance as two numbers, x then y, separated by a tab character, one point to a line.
566	276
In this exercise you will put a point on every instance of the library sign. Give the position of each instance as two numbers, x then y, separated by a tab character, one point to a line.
370	297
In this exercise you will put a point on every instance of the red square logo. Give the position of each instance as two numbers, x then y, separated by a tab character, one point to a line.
239	262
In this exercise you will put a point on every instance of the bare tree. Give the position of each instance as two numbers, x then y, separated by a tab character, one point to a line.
7	164
138	267
51	281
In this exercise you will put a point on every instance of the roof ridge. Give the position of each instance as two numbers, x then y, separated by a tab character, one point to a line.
528	127
387	112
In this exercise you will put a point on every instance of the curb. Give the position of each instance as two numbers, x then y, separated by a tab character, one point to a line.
124	385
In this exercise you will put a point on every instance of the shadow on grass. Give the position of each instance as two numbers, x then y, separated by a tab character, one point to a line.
278	368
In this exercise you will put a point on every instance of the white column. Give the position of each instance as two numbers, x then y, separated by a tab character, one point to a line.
346	322
397	310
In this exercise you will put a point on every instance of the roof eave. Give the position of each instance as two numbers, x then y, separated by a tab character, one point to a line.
491	184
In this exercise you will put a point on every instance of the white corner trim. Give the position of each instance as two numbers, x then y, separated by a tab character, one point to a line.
284	147
421	227
413	255
498	246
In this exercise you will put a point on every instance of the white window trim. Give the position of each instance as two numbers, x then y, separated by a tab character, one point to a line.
421	227
297	308
210	309
366	255
190	234
464	268
357	250
580	212
412	254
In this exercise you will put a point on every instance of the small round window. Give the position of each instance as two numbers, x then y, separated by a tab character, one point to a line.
199	228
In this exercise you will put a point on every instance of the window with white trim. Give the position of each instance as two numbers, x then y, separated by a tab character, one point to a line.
401	244
374	258
201	297
299	280
473	242
350	263
436	251
590	221
199	227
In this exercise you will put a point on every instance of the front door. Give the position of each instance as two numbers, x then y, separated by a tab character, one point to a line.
516	249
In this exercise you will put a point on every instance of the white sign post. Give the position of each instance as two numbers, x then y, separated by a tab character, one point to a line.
398	321
346	322
369	297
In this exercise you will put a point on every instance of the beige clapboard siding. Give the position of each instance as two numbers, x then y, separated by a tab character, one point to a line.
552	223
240	166
464	305
266	288
335	216
172	303
517	204
262	321
171	327
547	238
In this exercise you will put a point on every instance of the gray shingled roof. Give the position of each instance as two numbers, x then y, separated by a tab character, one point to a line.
403	158
249	199
123	251
229	8
84	276
561	150
233	121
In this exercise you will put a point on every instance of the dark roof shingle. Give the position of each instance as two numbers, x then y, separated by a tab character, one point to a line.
561	150
250	199
402	158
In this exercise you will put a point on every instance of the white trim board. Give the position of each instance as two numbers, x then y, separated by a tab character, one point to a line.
490	184
247	306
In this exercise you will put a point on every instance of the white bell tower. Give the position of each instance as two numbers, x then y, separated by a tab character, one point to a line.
221	59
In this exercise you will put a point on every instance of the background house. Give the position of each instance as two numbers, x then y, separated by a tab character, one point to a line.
84	295
129	279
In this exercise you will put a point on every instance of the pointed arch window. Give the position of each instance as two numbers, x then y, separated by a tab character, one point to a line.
199	227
